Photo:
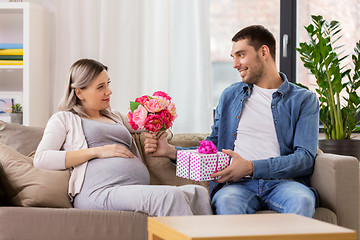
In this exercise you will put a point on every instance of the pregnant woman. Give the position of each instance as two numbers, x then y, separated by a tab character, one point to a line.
94	142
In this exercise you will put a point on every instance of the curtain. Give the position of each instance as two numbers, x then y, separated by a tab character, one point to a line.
148	45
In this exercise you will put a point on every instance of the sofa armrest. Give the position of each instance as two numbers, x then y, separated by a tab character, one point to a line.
336	177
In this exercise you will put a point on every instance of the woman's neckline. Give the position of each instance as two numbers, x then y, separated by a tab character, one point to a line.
114	122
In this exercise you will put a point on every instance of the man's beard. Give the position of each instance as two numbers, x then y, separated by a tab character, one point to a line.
256	73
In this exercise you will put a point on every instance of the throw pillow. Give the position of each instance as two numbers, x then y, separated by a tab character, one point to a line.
22	138
28	186
3	198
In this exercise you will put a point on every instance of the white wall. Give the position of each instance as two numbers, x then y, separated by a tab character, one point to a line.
147	45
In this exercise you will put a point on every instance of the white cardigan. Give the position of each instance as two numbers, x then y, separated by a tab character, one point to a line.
63	133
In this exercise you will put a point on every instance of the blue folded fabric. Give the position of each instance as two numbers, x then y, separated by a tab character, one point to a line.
11	45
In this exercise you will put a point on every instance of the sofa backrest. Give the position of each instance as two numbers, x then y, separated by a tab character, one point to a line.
25	140
22	138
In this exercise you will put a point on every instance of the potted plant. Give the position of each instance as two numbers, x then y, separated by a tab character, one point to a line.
17	113
325	59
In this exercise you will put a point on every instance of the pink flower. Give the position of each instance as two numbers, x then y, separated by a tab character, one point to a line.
162	94
131	121
167	117
163	102
142	100
153	123
172	109
139	116
154	113
153	105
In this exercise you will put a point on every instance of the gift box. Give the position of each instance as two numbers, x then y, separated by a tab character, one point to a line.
199	166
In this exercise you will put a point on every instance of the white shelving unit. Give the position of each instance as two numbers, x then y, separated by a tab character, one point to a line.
27	23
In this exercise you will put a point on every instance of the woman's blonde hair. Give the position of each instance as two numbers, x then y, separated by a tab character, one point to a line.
81	74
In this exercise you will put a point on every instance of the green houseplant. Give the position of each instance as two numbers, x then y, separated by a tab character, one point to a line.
334	79
16	108
324	60
17	113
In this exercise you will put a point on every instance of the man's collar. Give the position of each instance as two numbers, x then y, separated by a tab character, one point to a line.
247	87
283	89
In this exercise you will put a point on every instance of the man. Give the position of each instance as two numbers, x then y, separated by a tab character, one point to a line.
269	127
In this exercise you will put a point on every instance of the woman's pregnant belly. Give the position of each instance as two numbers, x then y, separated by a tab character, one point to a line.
102	172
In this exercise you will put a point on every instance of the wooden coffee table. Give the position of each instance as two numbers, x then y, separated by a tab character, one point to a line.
254	226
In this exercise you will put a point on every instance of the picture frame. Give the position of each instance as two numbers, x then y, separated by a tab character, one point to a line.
7	99
6	105
17	96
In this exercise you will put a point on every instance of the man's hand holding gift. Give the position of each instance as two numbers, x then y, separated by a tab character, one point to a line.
238	168
200	164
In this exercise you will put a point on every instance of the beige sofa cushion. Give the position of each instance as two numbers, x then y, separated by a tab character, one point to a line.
21	138
32	187
66	224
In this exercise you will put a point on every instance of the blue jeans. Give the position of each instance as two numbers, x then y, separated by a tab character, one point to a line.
247	196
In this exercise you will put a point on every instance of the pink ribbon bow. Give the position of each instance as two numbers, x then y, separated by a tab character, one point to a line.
207	147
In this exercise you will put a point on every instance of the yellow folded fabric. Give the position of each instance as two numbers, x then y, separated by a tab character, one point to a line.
11	62
11	51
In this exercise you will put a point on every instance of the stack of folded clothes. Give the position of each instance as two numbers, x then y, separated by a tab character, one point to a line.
11	54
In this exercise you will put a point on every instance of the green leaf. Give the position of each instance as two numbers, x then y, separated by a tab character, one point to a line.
134	106
354	98
316	18
356	129
310	28
163	128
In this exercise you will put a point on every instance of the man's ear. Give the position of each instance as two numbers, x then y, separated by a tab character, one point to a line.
78	93
265	52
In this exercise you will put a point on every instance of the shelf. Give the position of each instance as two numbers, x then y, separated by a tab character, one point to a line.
18	6
27	23
11	66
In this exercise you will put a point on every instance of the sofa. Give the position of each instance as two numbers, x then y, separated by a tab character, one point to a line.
34	202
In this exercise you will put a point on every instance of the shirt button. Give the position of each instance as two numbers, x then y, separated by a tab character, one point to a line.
233	135
214	186
238	116
272	106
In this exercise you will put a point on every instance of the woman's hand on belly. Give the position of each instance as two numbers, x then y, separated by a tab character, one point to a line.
113	150
73	158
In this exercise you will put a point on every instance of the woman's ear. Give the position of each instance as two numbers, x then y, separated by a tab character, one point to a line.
78	93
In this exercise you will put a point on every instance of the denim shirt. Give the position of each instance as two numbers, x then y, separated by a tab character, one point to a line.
295	113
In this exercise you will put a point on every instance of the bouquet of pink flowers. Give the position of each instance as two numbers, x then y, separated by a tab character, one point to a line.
154	113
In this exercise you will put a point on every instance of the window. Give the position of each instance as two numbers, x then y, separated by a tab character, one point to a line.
346	12
227	17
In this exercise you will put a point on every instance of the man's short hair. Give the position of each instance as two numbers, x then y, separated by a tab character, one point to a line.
257	35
